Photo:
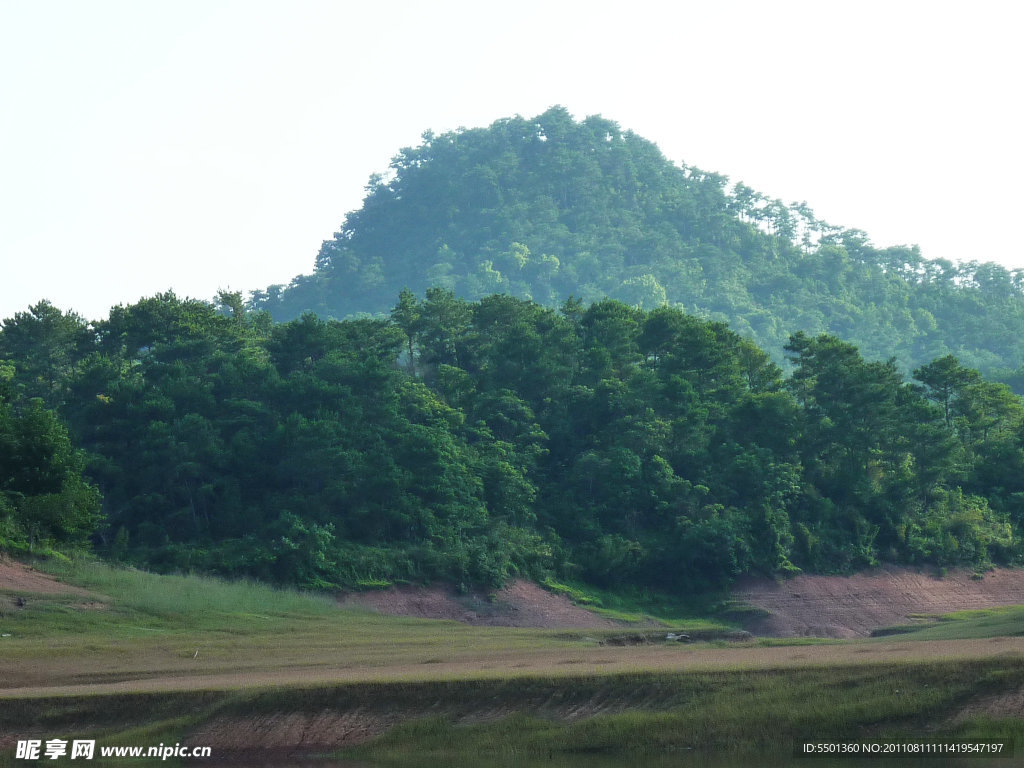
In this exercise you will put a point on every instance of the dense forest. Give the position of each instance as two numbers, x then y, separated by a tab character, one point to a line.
475	440
550	208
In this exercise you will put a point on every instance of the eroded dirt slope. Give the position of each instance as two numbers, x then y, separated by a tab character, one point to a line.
852	606
518	604
17	577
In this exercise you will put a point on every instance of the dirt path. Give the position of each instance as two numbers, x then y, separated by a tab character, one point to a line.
852	606
518	604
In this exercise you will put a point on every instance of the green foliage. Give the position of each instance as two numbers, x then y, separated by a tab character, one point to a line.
547	207
475	442
44	498
45	344
959	529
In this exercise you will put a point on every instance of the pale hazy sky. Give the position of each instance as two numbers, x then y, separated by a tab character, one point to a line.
149	145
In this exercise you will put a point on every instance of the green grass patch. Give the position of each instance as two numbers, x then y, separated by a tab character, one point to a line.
774	642
373	584
578	595
174	596
643	606
128	603
988	728
963	625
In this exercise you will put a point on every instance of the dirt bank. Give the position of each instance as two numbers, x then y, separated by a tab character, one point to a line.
518	604
852	606
17	577
804	606
467	703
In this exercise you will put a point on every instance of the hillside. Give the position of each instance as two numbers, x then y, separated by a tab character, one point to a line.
548	207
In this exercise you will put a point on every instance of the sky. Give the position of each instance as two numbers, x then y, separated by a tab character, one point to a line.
199	146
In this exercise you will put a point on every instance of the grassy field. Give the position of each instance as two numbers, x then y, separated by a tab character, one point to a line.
148	658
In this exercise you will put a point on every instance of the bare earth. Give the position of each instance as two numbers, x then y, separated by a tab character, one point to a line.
852	606
518	604
17	577
804	606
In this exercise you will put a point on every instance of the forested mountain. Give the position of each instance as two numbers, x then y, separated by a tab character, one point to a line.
548	208
472	441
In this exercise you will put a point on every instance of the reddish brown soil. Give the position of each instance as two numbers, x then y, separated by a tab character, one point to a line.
852	606
804	606
326	730
17	577
519	604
